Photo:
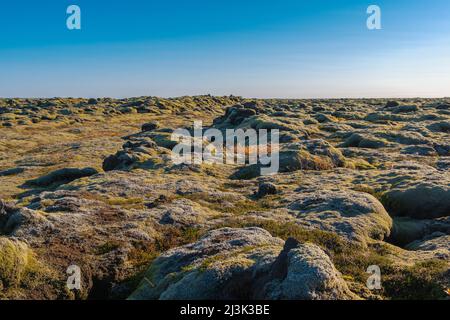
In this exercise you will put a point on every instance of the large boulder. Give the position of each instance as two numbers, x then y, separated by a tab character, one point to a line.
235	115
422	199
119	161
407	230
315	154
436	243
183	213
359	140
405	109
355	215
11	172
392	104
6	211
21	223
443	126
306	274
61	176
139	150
321	149
205	269
265	189
243	264
150	126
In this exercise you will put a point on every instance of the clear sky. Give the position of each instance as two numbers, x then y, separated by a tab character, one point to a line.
253	48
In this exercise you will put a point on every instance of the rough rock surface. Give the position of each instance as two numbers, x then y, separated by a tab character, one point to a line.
309	275
204	270
421	199
438	243
243	263
355	215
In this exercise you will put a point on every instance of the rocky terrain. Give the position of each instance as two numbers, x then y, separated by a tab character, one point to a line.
90	182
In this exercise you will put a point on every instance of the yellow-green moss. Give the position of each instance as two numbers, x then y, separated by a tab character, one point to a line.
14	258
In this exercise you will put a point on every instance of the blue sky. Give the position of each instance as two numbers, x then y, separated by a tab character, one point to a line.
283	48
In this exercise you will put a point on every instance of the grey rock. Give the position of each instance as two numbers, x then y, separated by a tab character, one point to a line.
437	243
10	172
62	176
358	140
120	160
266	188
391	104
354	215
419	150
207	268
150	126
423	199
243	264
443	126
310	275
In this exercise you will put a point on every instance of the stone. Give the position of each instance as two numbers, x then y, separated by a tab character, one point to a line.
243	263
62	176
309	275
266	188
354	215
150	126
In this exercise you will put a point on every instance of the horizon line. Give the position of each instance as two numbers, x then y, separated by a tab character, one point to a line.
229	95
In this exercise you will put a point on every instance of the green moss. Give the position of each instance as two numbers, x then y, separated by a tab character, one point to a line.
129	203
367	189
188	268
144	254
359	164
240	207
422	281
235	258
139	257
20	270
107	247
164	139
210	261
